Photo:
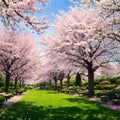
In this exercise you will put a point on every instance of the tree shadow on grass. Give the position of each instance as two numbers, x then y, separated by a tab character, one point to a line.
28	111
48	91
81	100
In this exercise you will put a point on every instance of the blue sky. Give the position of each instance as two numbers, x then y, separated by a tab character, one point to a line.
54	6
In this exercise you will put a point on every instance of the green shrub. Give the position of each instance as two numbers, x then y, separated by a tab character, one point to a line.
2	99
85	85
105	87
113	94
72	81
2	81
115	80
98	93
85	92
0	90
99	80
12	83
63	90
106	82
118	81
29	87
71	88
65	83
20	91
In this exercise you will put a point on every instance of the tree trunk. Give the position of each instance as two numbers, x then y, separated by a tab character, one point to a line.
55	84
44	84
61	85
15	86
20	83
50	83
68	78
90	83
90	80
7	79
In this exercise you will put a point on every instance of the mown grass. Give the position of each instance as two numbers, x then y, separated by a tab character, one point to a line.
49	105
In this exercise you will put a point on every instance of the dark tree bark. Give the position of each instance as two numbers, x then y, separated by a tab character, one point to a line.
90	80
61	84
55	80
68	79
15	85
61	77
50	83
7	80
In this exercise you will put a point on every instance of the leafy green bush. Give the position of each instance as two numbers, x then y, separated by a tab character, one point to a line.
72	81
106	82
65	83
2	99
29	87
105	87
2	81
99	93
85	85
99	80
118	81
1	90
63	90
71	88
85	92
115	80
113	94
20	91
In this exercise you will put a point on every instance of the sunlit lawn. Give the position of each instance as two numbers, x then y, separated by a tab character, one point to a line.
49	105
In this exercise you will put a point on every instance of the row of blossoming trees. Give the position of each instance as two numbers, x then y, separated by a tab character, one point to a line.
84	40
19	54
19	57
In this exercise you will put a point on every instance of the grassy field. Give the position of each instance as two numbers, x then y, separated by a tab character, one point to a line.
49	105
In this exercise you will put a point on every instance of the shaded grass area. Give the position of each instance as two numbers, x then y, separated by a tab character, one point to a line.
48	105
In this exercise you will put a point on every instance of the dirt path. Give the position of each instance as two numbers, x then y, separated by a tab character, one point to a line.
13	99
109	104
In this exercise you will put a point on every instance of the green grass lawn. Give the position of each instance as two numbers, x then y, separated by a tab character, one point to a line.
49	105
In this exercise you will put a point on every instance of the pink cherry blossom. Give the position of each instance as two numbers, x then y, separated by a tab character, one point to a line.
13	13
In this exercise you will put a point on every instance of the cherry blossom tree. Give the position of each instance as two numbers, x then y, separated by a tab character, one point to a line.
19	56
110	70
58	68
13	12
50	73
106	8
79	40
69	71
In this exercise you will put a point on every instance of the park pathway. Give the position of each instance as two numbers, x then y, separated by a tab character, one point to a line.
109	105
13	100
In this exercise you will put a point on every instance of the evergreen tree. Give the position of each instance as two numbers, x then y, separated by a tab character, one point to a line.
78	81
